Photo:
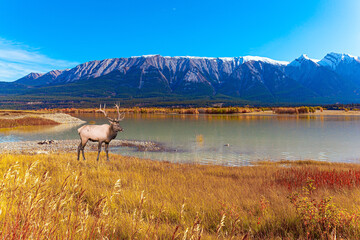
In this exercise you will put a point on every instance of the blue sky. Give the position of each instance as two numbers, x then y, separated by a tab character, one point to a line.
40	35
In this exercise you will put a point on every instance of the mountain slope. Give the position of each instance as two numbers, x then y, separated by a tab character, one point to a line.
264	82
29	79
258	79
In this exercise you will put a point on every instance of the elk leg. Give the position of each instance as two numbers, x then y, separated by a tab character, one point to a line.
99	150
107	151
82	150
81	147
78	151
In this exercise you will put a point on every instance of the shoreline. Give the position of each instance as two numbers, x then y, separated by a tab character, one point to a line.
68	117
48	147
317	113
55	146
254	113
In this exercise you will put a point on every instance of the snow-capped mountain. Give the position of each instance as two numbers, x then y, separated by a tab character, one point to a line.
319	79
333	60
94	69
303	59
344	65
334	78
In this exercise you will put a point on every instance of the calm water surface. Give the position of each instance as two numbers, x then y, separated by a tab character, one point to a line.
225	140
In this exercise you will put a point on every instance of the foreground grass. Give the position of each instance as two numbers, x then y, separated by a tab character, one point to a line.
56	197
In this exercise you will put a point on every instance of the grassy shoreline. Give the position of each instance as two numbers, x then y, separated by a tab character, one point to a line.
126	198
53	114
313	111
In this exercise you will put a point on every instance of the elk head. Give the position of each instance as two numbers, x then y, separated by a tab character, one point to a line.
114	122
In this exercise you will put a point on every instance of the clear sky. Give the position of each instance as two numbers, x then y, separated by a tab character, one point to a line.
40	35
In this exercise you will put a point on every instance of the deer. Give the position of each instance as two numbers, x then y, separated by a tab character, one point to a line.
100	133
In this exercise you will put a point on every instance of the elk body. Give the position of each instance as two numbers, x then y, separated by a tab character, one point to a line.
100	133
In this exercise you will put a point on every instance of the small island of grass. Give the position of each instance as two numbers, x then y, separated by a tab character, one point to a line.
23	118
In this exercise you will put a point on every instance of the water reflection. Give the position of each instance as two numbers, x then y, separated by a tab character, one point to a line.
224	139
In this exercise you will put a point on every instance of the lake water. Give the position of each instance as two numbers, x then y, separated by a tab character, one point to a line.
232	140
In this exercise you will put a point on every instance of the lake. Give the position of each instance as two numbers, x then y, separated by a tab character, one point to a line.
231	140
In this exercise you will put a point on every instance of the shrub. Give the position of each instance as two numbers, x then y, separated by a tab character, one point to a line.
285	111
294	110
312	110
302	110
322	219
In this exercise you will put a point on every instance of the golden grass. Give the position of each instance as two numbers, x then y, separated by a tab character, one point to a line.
26	121
57	197
297	162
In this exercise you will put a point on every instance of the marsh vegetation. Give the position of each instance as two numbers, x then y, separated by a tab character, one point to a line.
56	197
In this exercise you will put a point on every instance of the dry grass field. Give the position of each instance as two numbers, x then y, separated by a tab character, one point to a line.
57	197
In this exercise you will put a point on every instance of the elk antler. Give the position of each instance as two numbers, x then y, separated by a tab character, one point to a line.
120	116
104	112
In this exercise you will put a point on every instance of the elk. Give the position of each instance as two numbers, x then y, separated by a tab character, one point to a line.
100	133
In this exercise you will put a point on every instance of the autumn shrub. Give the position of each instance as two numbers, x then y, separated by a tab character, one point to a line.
302	110
312	110
282	110
229	110
321	219
294	110
321	109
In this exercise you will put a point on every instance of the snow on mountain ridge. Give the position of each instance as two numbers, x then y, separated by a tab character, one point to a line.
303	59
96	68
332	60
264	59
242	59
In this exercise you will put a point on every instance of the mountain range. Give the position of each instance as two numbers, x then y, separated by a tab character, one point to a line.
335	78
